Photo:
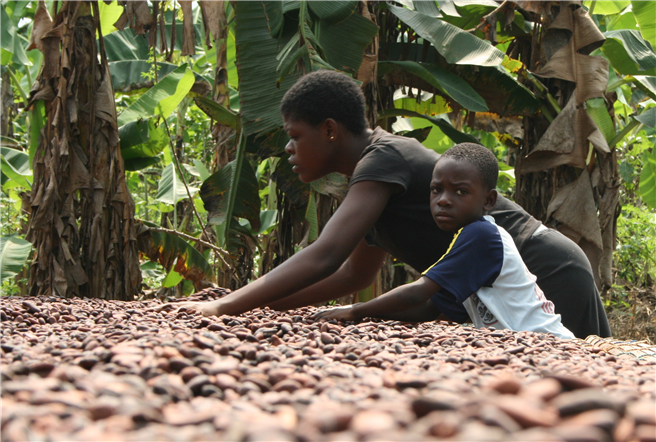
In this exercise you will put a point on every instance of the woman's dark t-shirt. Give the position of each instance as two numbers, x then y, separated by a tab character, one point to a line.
407	231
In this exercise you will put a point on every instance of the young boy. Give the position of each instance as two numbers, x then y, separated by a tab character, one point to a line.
482	269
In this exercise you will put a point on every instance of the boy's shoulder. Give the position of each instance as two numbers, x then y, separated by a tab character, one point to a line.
484	226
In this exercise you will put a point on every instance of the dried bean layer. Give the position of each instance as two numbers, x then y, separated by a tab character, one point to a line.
88	369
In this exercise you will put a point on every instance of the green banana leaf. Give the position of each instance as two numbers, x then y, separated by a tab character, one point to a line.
215	191
445	126
267	145
596	108
344	42
503	94
274	15
648	179
608	7
454	44
645	14
256	62
15	170
427	8
217	112
11	43
169	249
648	117
125	45
162	98
13	255
108	15
646	84
471	13
127	75
440	78
629	53
37	121
334	11
142	142
171	188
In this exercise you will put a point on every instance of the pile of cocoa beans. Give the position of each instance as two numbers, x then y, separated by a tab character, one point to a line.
95	370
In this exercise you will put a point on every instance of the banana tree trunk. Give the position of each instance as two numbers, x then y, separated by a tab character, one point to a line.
82	221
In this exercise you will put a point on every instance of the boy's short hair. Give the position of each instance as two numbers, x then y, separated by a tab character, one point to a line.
325	94
481	157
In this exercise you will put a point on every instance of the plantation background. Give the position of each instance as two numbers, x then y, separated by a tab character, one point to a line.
142	150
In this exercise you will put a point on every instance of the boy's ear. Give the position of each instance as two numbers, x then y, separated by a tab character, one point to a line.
490	200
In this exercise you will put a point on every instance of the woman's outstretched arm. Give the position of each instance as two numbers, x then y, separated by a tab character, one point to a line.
358	212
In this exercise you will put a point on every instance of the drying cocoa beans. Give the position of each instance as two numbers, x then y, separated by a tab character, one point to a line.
88	369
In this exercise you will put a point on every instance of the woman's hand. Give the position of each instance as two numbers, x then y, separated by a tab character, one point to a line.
344	313
212	308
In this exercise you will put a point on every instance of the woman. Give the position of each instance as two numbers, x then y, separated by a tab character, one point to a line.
385	211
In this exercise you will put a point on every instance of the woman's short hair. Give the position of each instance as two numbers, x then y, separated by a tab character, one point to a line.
325	94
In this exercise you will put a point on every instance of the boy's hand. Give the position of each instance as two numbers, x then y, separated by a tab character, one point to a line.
344	313
212	308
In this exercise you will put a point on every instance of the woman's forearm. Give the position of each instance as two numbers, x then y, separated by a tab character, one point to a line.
357	273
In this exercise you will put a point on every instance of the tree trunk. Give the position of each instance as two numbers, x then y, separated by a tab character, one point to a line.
82	224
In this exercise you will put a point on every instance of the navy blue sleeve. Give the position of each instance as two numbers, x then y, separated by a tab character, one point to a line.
474	260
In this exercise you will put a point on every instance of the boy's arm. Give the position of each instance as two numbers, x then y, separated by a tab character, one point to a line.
411	296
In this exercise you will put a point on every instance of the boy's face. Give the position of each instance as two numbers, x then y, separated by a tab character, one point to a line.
309	149
458	195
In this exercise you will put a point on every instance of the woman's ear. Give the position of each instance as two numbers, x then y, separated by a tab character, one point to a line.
490	200
331	129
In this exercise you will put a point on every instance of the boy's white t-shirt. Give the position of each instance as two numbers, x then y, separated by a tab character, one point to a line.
483	271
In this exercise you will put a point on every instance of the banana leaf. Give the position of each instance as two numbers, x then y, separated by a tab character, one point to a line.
127	75
645	14
11	42
648	117
442	79
169	249
15	170
428	8
608	7
648	179
108	15
215	191
142	142
629	53
171	188
256	62
596	108
274	15
454	44
503	94
125	45
445	126
334	11
162	98
344	42
217	112
13	255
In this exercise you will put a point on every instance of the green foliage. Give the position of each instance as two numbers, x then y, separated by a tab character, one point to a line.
13	255
454	44
635	255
